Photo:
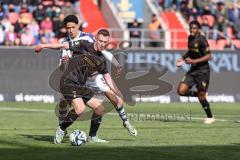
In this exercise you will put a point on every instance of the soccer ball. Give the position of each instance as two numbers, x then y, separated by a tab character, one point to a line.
77	138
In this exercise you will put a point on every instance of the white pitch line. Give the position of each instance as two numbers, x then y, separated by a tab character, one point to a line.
24	109
111	114
222	120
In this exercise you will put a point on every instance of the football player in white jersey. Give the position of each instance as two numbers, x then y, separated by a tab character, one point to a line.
97	82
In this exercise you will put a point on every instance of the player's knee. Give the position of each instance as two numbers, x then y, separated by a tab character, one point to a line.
79	110
96	106
99	110
181	91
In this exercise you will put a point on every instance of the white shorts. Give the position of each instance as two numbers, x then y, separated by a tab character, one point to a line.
97	83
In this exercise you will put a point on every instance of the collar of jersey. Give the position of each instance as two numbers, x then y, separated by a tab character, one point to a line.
76	38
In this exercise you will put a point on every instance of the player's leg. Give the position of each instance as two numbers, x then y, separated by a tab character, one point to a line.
202	85
114	99
73	94
184	87
118	103
206	106
96	105
62	109
78	108
96	120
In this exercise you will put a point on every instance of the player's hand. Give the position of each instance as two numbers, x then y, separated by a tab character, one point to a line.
65	46
190	61
179	62
119	70
38	48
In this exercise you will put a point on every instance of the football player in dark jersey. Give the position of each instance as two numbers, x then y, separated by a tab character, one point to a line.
197	56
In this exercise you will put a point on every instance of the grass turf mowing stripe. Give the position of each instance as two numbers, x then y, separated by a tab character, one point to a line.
111	114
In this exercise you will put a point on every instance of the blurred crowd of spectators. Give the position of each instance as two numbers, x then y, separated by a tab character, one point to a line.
153	34
220	19
30	22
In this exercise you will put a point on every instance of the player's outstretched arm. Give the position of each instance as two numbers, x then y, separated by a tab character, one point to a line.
109	56
40	47
112	85
181	61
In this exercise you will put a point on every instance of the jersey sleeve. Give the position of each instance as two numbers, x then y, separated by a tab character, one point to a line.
185	55
87	37
108	55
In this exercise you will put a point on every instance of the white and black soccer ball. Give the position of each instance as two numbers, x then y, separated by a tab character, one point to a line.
77	138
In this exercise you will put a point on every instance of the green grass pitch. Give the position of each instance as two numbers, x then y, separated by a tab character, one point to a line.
27	130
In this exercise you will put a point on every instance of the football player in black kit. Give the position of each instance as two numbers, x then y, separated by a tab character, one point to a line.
197	56
95	82
87	60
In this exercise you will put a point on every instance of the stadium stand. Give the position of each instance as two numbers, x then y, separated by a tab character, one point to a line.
93	16
30	22
220	19
177	31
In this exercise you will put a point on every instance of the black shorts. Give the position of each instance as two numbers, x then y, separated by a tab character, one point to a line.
72	91
200	77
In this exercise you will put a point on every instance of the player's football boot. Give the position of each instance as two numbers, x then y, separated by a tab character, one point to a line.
132	131
96	139
59	136
209	120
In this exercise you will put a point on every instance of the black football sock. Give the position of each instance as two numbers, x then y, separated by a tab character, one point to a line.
62	109
191	93
71	117
206	108
95	123
122	113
